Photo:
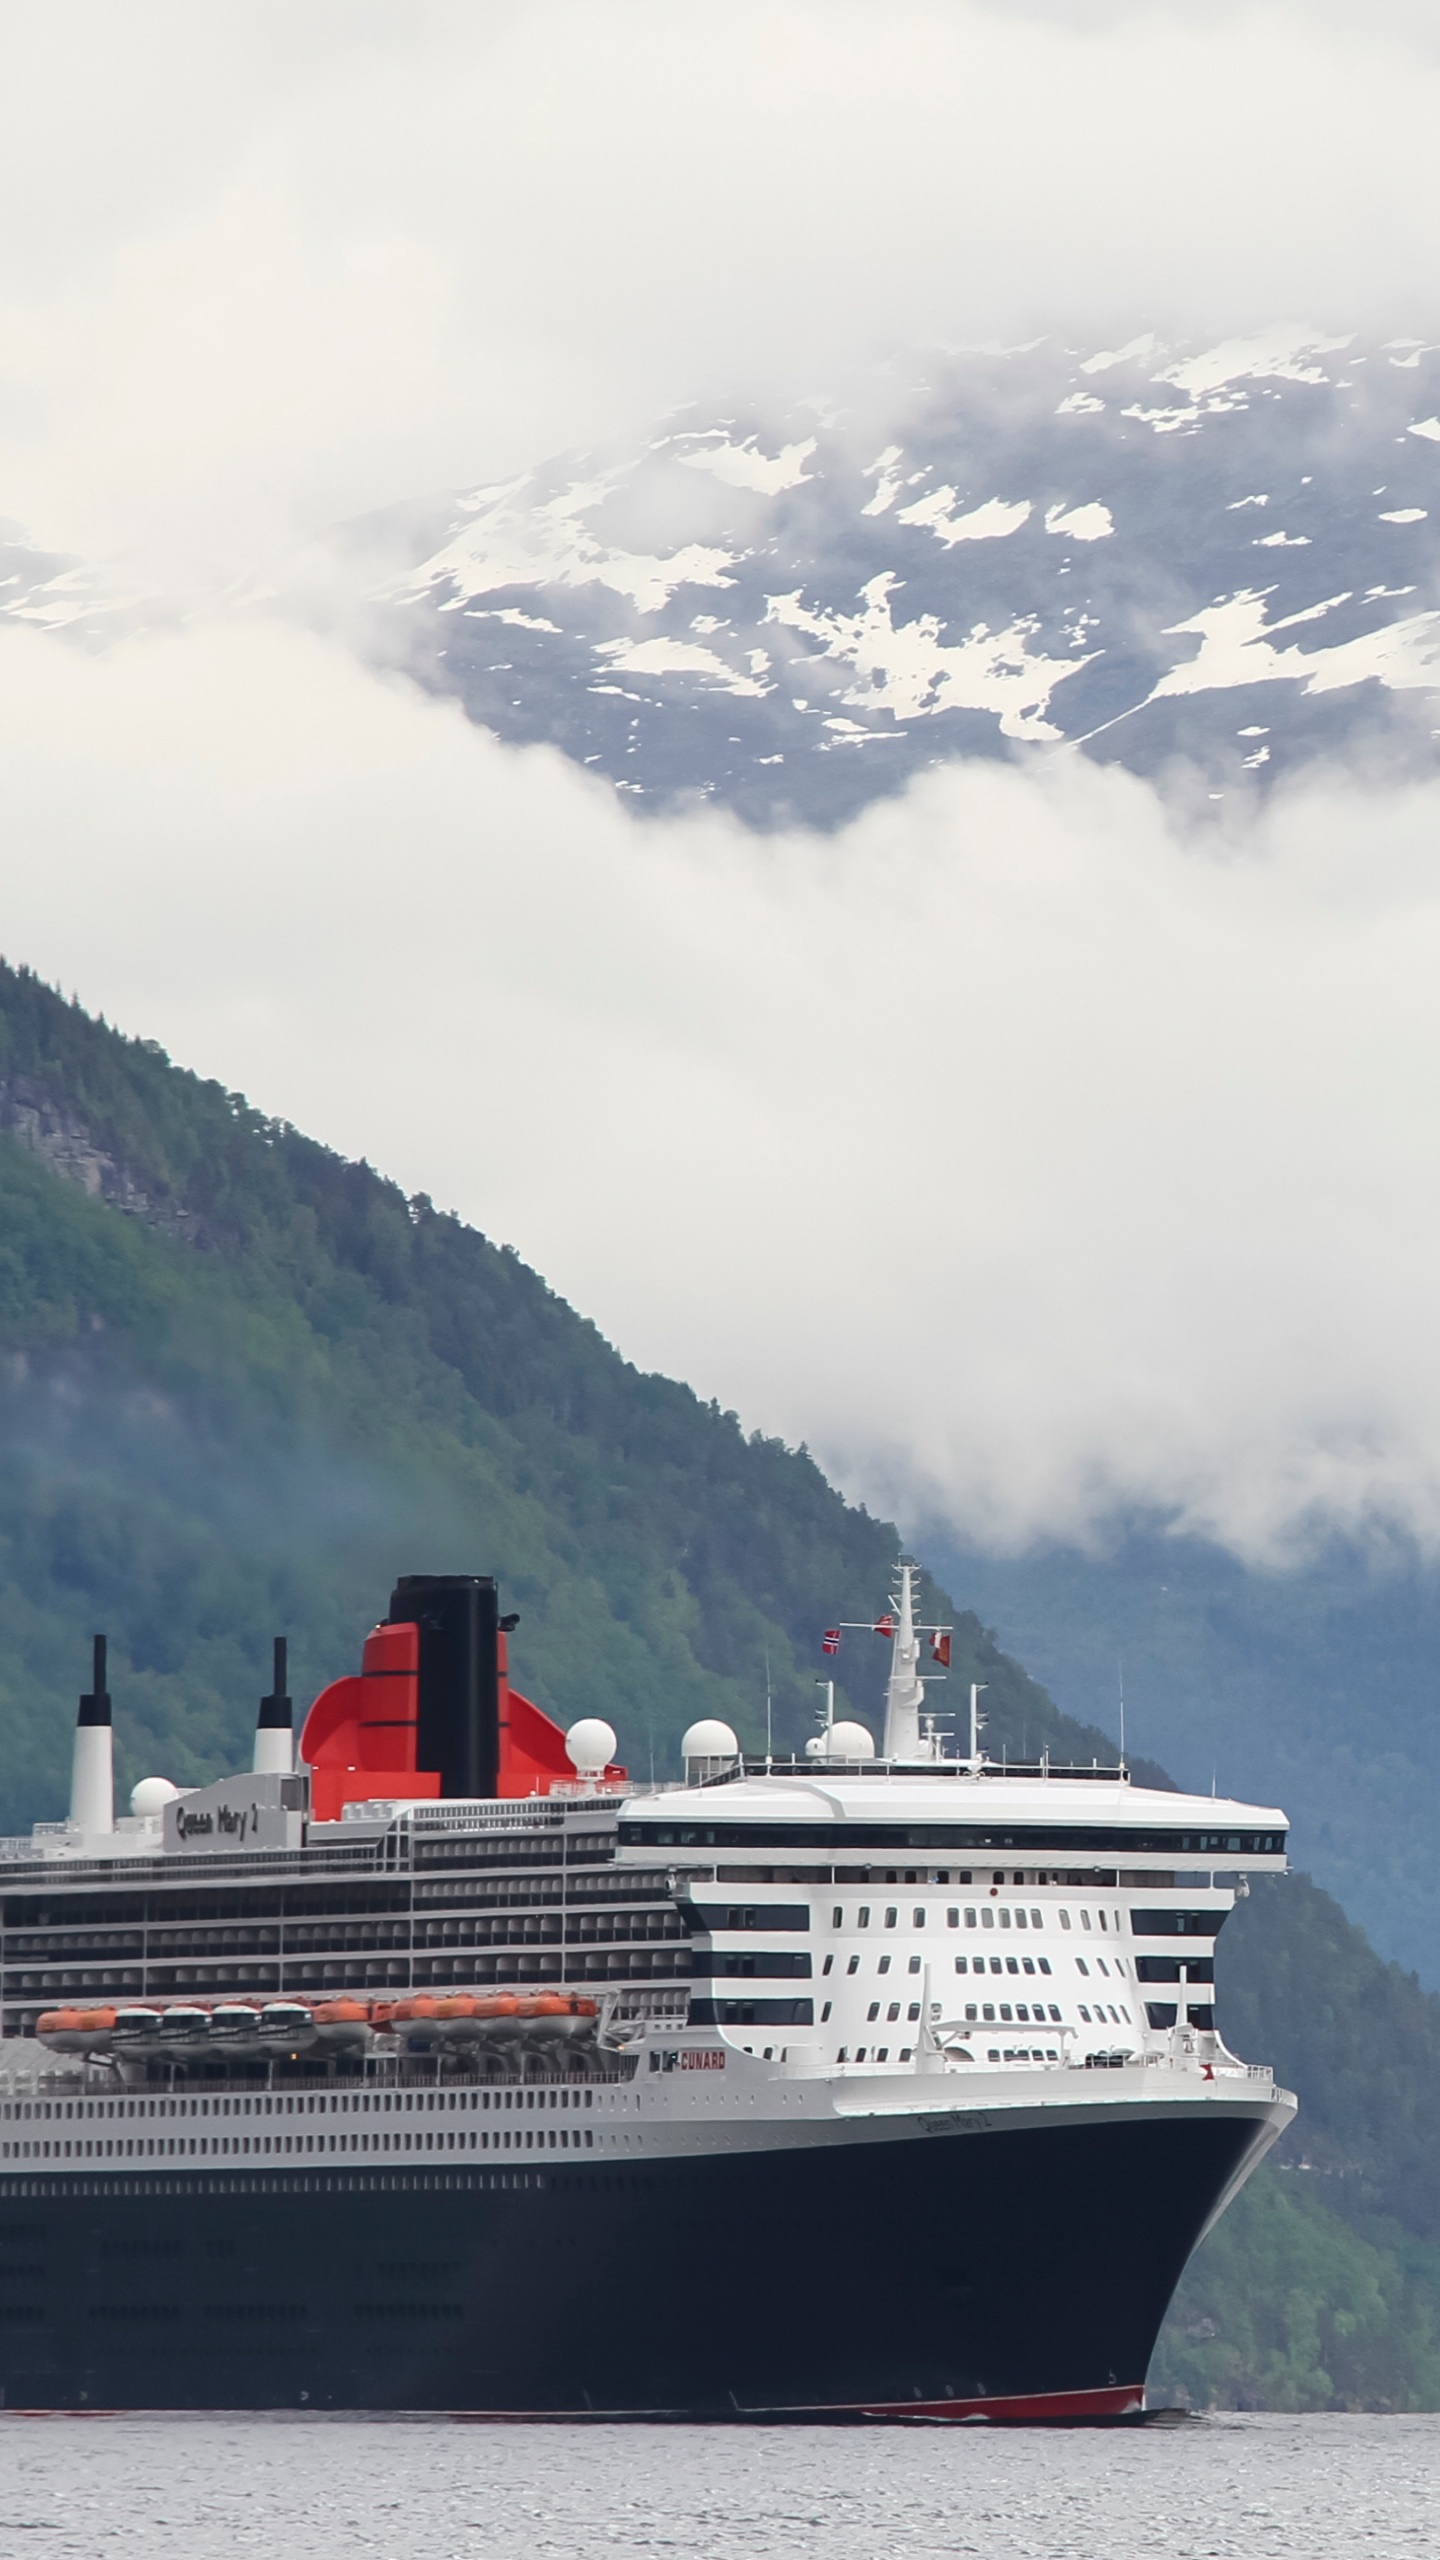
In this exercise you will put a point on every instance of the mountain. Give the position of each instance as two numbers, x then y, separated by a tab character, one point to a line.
1203	563
243	1383
1315	1687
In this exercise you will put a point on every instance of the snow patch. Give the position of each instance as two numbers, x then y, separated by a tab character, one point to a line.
667	657
510	545
1135	351
744	466
990	523
1403	515
888	484
907	670
1237	647
1427	427
1089	523
1080	404
1274	355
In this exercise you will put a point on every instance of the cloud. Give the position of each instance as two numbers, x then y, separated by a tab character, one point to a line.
262	268
1025	1153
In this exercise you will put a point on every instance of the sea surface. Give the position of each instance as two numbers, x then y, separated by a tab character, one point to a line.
303	2488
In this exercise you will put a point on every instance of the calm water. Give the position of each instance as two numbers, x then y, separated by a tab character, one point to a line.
214	2488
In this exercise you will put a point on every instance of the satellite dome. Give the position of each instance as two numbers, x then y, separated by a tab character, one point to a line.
710	1740
591	1745
150	1796
849	1742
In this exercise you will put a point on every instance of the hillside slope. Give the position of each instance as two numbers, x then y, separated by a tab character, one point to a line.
243	1383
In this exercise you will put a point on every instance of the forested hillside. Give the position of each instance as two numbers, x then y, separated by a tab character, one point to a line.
244	1383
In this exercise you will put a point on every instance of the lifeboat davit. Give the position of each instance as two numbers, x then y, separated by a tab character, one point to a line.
76	2030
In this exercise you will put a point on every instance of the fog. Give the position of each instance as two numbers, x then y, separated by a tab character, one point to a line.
1024	1153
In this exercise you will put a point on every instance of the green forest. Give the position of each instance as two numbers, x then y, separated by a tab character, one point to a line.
244	1383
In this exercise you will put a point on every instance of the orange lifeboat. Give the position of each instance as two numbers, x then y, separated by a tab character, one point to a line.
73	2030
557	2017
343	2026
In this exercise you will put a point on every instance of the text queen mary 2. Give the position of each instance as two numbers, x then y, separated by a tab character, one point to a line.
443	2068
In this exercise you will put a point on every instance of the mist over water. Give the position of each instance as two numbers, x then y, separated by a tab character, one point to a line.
214	2487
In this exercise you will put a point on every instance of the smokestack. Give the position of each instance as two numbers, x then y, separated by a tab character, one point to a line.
92	1772
275	1730
458	1725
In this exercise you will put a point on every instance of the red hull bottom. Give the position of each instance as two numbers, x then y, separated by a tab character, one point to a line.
1029	2409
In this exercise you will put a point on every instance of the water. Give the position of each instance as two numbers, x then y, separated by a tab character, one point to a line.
303	2489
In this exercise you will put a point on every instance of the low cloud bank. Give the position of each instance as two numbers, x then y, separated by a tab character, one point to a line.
1028	1154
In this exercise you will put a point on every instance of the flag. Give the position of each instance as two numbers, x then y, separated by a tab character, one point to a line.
940	1649
884	1627
830	1641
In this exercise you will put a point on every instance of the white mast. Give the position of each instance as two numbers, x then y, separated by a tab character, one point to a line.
905	1690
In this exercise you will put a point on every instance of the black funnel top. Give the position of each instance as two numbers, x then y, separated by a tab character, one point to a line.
459	1718
277	1713
95	1704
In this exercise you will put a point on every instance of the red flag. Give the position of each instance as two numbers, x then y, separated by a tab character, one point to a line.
940	1650
830	1641
884	1627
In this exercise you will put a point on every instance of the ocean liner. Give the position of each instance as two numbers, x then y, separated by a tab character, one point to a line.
437	2066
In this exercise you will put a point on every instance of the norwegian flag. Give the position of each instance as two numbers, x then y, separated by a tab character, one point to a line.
830	1641
884	1626
940	1650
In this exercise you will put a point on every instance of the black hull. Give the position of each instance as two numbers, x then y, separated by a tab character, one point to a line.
1022	2272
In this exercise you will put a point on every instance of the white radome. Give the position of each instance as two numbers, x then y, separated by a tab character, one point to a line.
846	1742
709	1740
150	1796
591	1744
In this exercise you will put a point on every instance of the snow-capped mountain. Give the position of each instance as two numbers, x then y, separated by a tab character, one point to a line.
1220	560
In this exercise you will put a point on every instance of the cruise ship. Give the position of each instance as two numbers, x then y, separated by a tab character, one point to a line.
434	2065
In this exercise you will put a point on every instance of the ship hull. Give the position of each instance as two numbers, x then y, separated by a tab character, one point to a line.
967	2271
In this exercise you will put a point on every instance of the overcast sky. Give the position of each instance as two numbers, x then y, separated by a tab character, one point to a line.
1025	1155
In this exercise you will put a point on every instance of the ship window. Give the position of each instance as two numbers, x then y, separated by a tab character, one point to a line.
1054	2012
1084	2012
859	2053
862	1916
987	1916
874	2009
962	1964
893	2012
842	2055
952	1917
1022	1919
995	1965
828	1965
854	1965
1104	1923
1102	1964
989	2012
1012	1964
1037	1920
884	1965
1004	1915
915	1964
891	1916
1027	1964
1084	1919
825	2012
1044	1963
970	2009
1022	2013
919	1919
1080	1965
836	1917
1006	2018
969	1916
994	2053
1064	1919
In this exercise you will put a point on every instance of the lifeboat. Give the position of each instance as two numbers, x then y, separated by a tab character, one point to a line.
184	2032
343	2026
556	2017
235	2029
137	2031
76	2030
287	2027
